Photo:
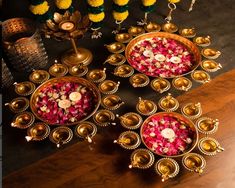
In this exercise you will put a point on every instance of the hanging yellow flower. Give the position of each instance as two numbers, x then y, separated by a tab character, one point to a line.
120	2
173	1
120	16
96	17
63	4
95	3
148	2
39	9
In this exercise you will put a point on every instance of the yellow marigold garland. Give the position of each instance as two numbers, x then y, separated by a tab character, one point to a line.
120	16
148	2
120	2
63	4
173	1
96	17
95	3
39	9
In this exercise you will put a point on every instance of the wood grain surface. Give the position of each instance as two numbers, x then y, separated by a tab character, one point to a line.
106	165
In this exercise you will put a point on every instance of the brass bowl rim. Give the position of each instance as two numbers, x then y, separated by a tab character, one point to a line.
60	74
94	131
205	139
41	72
177	168
68	130
29	124
44	136
203	165
202	131
132	127
136	145
16	99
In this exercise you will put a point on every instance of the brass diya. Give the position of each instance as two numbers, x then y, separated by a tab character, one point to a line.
58	70
123	37
135	30
104	118
61	135
108	87
115	59
86	130
167	168
24	88
131	120
182	83
23	120
202	41
128	140
141	158
96	75
39	76
18	104
160	85
139	80
111	102
200	76
210	53
78	70
207	125
152	27
146	107
115	47
37	132
168	103
169	27
209	146
192	110
188	32
210	65
194	162
123	71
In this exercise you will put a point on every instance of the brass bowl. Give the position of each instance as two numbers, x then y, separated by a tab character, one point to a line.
192	110
182	83
115	59
139	80
104	118
128	140
141	158
108	87
146	107
210	65
209	146
24	88
188	32
169	27
58	70
39	76
210	53
135	30
86	130
115	47
111	102
207	125
123	37
18	104
131	120
200	76
61	135
82	81
202	41
167	168
23	120
152	27
37	132
160	85
123	71
168	103
78	70
96	75
194	162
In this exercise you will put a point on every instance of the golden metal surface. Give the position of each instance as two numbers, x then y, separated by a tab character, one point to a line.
86	130
169	27
104	118
37	132
146	107
115	47
18	104
200	76
209	146
210	53
115	59
152	27
139	80
111	102
160	85
108	87
182	83
131	120
210	65
187	32
202	41
207	125
123	71
23	120
58	70
24	88
39	76
194	162
78	70
123	37
96	75
168	103
192	110
135	30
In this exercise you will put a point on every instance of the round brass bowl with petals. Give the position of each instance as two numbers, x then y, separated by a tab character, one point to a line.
58	70
152	27
37	132
200	76
123	37
194	162
210	53
23	120
135	30
61	135
187	32
168	103
209	146
108	87
160	85
192	110
167	168
128	140
77	70
202	41
104	118
116	59
169	27
142	158
115	47
139	80
18	104
146	107
182	83
131	120
210	65
207	125
24	88
86	130
123	71
96	75
111	102
39	76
